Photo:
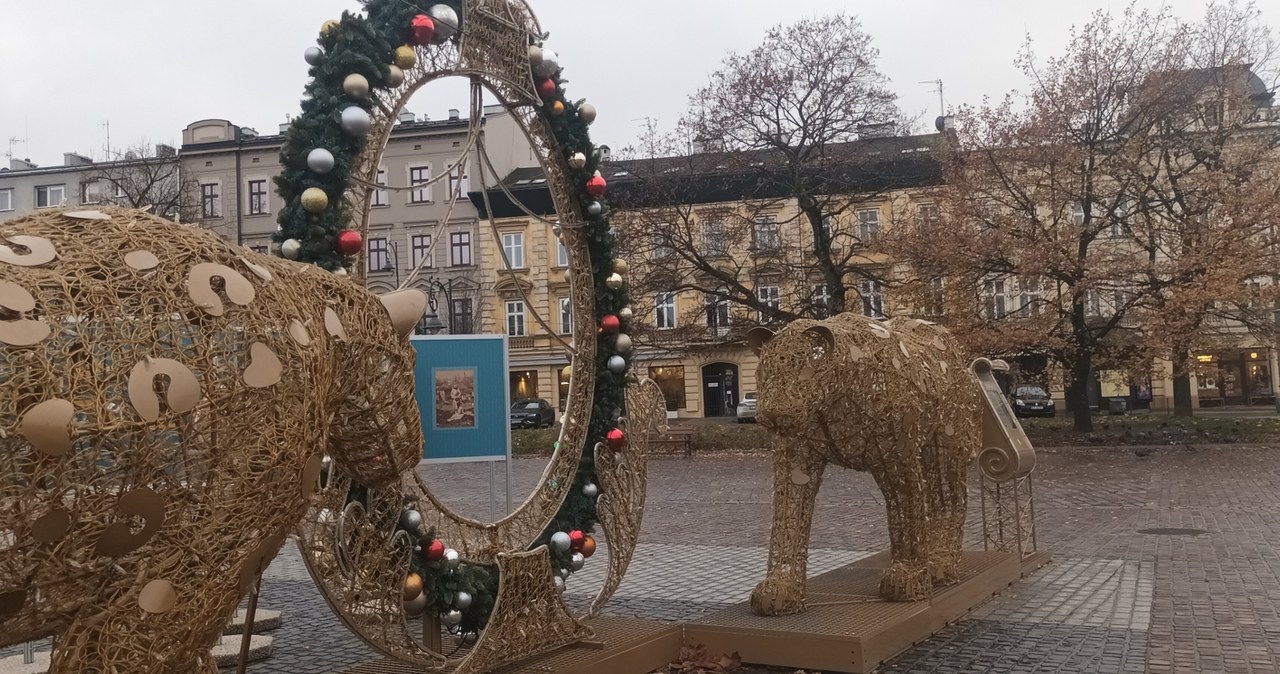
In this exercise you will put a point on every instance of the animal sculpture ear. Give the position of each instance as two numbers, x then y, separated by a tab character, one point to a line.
999	366
823	335
758	337
981	366
405	307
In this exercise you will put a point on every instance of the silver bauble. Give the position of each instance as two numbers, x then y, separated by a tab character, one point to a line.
559	582
590	490
462	601
614	281
568	276
417	606
578	160
557	230
451	558
535	55
549	65
626	314
617	364
446	21
560	541
577	561
326	463
595	208
291	248
410	520
355	121
340	271
320	160
622	344
565	573
356	85
451	618
313	55
395	76
587	112
470	638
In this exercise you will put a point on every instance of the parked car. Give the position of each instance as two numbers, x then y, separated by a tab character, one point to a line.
1032	401
532	413
747	408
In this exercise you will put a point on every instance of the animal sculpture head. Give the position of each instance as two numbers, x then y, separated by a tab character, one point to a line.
794	380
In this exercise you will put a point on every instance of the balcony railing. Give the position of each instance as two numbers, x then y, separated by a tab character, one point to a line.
521	343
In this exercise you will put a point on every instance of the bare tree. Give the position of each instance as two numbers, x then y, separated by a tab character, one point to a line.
1083	222
144	177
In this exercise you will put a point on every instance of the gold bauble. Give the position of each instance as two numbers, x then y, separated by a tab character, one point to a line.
314	200
356	85
406	57
328	27
412	586
557	108
568	275
620	266
614	281
567	371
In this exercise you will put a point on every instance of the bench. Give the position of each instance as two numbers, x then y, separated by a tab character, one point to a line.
675	437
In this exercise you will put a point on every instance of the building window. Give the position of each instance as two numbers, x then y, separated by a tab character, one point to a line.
460	317
872	298
1077	213
210	200
771	298
1029	300
6	200
662	246
566	316
717	313
257	197
765	234
459	182
927	217
378	259
562	254
829	228
670	379
821	300
91	192
713	238
460	249
420	175
259	249
664	307
379	197
50	196
934	297
513	247
515	318
420	250
995	300
868	224
1120	219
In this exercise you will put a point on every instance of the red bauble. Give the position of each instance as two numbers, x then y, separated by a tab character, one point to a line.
423	29
616	440
610	324
596	186
576	538
547	89
435	551
350	242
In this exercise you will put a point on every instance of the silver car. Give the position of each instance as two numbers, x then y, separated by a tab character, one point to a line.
747	408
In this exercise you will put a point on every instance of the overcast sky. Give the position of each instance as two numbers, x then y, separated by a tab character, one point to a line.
151	67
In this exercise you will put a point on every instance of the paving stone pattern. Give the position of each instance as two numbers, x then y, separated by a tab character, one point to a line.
1113	600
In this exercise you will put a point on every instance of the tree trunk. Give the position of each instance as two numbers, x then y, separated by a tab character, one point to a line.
1078	393
1181	383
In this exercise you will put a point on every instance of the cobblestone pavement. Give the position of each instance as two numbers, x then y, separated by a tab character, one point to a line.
1113	600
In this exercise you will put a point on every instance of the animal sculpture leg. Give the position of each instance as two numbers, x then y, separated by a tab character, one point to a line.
797	475
947	493
907	578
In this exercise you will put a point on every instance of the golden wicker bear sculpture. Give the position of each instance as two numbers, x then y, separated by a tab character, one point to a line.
166	402
893	399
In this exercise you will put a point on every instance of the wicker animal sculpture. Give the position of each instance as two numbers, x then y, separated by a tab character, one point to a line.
166	403
893	399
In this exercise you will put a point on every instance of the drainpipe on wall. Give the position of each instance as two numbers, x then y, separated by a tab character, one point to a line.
239	208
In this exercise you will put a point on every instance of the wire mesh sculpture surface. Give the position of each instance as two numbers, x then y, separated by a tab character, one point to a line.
894	399
166	401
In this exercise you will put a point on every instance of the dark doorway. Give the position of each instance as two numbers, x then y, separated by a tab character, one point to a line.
720	389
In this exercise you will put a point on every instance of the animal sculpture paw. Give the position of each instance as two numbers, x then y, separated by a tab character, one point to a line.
902	582
775	596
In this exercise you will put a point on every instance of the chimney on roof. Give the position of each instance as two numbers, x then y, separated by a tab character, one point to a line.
881	130
163	150
454	114
21	164
246	132
405	117
73	159
605	152
945	123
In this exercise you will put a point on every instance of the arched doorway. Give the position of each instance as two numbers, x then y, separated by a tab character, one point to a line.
720	389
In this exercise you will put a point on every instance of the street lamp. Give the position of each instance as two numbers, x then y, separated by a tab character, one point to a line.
431	323
393	262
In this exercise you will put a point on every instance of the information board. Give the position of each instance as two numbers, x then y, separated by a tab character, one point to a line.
461	384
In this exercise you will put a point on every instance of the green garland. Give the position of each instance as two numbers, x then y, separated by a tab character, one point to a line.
366	45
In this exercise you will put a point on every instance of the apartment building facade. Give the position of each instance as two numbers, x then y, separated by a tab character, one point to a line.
81	181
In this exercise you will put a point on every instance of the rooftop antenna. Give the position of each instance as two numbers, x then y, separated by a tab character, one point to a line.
942	108
14	140
107	124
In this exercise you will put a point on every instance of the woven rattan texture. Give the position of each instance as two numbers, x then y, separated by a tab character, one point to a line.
892	398
165	402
